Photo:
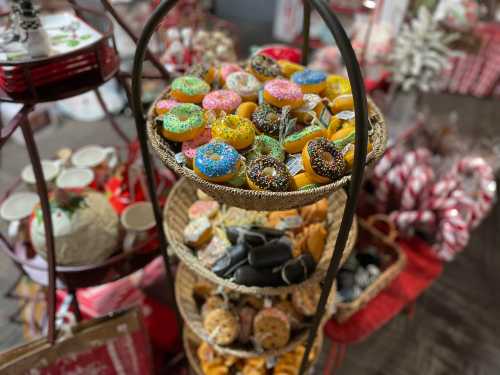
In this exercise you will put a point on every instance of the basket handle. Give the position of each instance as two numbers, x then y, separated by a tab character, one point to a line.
392	232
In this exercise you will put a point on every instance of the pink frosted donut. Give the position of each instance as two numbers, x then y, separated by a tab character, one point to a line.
189	147
228	68
280	93
165	105
222	100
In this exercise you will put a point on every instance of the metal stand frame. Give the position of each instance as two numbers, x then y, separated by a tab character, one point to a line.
361	138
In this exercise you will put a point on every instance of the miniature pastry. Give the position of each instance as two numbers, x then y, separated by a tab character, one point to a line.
288	67
312	105
237	131
203	208
246	109
265	145
267	119
294	317
222	326
281	92
198	232
184	122
189	147
203	71
221	100
264	68
296	141
310	81
216	161
212	303
245	84
165	105
267	173
337	85
271	329
189	89
225	70
306	299
322	162
302	181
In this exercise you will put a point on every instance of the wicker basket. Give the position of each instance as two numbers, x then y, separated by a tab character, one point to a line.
191	343
386	243
176	218
184	285
262	200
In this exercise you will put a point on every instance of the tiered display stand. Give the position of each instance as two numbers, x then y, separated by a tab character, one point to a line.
34	81
251	199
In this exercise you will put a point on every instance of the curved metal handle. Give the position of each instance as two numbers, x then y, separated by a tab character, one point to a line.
360	151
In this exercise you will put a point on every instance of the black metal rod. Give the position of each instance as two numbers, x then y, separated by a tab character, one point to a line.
361	143
140	123
306	27
41	187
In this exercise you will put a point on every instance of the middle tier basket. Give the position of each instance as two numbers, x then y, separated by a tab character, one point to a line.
183	195
263	200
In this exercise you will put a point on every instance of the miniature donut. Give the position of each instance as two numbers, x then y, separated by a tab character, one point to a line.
337	85
222	100
245	84
264	68
265	145
310	81
295	142
246	109
216	161
227	69
237	131
342	103
312	103
189	89
266	119
212	303
198	232
189	147
302	181
341	120
183	122
281	92
294	317
165	105
306	299
222	326
203	71
267	173
288	67
203	208
322	162
271	328
343	137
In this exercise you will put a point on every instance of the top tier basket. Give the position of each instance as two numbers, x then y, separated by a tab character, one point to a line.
262	200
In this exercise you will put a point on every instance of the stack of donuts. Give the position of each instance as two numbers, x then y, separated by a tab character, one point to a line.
268	125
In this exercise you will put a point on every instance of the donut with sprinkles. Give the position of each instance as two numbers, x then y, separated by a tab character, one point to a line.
268	173
222	100
217	162
266	119
264	68
322	162
281	92
183	123
310	81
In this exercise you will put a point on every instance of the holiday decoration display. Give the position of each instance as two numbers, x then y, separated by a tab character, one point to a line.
420	53
460	15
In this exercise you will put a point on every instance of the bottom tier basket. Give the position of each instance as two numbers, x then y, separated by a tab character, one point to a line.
184	285
191	342
385	243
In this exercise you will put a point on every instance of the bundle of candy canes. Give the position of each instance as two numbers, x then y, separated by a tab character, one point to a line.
445	208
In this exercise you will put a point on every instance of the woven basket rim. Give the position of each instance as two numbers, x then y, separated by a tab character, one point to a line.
201	335
185	254
346	309
189	338
166	155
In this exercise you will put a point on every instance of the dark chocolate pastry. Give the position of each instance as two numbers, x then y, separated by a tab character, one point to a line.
298	269
241	234
272	254
234	257
249	276
270	233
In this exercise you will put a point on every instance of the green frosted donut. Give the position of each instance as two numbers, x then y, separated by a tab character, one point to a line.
189	89
183	122
265	145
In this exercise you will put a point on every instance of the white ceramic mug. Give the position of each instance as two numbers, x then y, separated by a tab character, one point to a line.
75	178
50	168
102	160
137	219
17	209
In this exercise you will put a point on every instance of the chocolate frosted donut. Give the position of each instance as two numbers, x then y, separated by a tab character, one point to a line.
322	161
264	67
267	173
266	119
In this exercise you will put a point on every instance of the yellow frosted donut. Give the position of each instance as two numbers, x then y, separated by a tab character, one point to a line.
237	131
288	68
295	142
322	162
281	92
246	109
337	85
189	89
310	81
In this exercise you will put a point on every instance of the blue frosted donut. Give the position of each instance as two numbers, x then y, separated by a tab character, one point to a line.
217	162
310	81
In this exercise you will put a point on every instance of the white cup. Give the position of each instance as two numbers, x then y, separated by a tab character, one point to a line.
137	219
75	178
93	156
17	209
50	168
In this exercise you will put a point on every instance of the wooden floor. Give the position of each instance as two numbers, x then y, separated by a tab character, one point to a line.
456	328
